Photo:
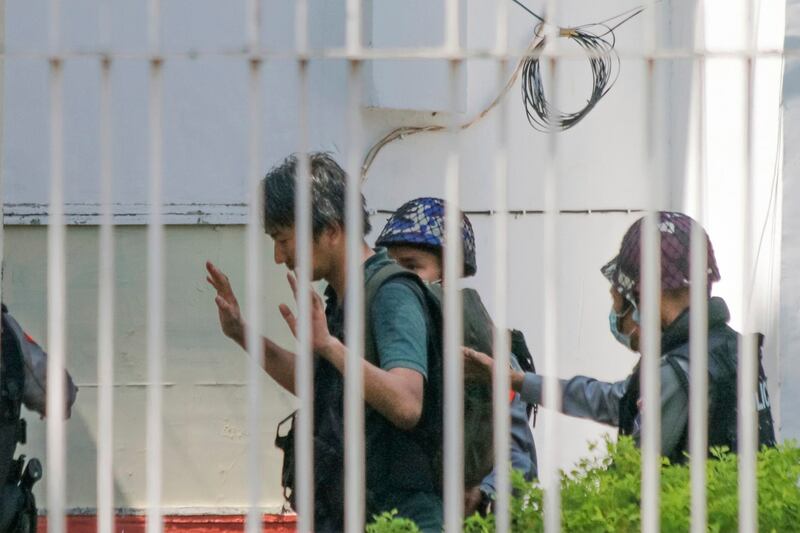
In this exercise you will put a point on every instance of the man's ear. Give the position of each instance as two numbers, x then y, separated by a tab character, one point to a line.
334	233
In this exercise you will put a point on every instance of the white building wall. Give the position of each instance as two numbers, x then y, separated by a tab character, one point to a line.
790	263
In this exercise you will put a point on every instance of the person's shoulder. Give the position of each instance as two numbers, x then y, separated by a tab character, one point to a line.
401	287
675	367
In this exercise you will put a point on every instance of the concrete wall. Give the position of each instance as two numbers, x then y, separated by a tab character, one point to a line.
205	433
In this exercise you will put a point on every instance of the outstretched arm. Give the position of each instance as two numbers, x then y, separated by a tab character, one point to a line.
581	396
278	362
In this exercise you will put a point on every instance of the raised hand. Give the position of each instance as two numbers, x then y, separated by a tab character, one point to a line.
230	316
320	335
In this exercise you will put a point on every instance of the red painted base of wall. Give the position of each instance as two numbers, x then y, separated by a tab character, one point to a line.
176	524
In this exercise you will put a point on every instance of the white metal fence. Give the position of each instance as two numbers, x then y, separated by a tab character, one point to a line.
357	54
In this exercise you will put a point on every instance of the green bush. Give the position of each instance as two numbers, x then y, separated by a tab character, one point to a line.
389	522
603	494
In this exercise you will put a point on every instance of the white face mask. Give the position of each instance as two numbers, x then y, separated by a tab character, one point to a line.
614	319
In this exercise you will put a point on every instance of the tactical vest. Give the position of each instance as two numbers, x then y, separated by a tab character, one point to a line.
723	345
478	334
396	460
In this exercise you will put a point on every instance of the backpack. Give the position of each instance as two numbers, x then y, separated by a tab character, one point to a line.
520	350
17	503
478	334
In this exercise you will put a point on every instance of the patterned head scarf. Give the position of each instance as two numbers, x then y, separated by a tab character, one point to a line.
420	222
676	229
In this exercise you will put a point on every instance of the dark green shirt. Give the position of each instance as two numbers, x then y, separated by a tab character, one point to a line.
399	328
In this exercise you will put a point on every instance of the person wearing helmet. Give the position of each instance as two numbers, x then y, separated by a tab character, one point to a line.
414	237
618	403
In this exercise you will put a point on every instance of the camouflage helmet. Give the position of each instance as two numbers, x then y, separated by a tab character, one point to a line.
420	222
676	230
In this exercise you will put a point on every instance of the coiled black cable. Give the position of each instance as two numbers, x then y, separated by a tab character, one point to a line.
598	41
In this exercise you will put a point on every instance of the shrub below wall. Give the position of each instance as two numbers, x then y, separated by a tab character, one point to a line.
603	494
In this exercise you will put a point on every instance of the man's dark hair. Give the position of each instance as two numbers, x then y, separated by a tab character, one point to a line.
328	189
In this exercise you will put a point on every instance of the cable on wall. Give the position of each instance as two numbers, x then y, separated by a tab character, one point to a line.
597	39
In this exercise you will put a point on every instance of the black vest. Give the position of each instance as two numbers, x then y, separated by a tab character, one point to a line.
723	343
12	382
396	460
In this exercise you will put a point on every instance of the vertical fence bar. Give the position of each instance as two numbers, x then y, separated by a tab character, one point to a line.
453	261
253	260
501	383
354	299
453	365
304	377
105	303
650	343
552	397
747	438
698	326
551	393
698	378
650	313
155	279
56	287
651	385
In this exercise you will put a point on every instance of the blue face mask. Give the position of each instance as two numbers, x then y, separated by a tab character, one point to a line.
614	319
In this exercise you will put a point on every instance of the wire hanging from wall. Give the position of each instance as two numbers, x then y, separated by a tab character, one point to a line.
597	39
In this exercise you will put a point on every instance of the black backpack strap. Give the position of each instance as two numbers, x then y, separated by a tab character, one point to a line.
683	378
519	347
